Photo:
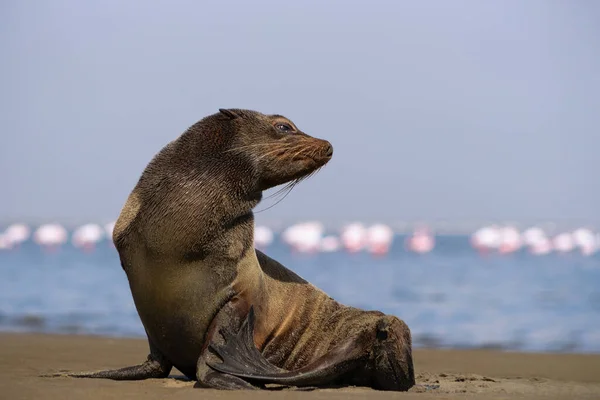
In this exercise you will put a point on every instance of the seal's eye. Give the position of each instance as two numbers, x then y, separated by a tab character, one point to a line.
282	127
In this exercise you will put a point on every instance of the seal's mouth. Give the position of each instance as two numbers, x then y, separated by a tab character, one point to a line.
322	153
292	164
288	161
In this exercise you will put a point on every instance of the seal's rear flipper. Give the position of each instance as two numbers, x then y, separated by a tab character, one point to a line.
241	358
156	366
133	373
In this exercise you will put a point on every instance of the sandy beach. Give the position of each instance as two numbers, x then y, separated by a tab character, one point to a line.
459	373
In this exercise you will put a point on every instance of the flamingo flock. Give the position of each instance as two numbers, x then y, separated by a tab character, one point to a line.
508	239
53	236
312	237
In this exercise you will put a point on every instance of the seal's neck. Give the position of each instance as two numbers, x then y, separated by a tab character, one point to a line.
205	203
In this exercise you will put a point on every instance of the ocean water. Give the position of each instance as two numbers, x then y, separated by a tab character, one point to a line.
452	297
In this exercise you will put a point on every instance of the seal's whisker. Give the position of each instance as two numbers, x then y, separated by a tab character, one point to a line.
270	153
300	150
289	188
257	146
276	150
278	192
249	146
295	150
315	152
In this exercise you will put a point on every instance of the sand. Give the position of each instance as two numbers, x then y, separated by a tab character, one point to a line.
481	374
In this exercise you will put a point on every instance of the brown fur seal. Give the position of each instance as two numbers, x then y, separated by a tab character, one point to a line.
214	307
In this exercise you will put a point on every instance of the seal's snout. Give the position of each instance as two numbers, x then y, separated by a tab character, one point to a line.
329	150
325	150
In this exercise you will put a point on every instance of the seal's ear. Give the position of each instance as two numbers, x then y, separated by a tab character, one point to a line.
228	113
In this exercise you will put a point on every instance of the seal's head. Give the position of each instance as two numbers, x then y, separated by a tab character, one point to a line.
275	146
270	149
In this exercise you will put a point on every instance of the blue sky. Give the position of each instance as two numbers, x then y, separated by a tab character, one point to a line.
461	109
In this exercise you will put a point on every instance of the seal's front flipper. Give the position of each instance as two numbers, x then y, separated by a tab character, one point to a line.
239	353
156	366
229	316
242	359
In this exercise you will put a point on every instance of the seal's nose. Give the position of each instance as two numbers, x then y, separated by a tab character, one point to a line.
329	150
